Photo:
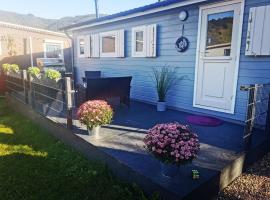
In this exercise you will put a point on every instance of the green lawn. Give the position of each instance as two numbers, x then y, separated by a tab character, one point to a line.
35	165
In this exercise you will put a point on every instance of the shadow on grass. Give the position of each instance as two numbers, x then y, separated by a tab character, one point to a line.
35	165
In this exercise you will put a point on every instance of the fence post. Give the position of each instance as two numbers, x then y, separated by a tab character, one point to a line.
68	101
25	86
31	92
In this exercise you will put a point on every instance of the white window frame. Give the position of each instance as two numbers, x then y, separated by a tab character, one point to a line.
106	34
78	46
134	31
149	41
53	42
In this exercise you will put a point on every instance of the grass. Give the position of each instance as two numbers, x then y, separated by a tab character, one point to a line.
35	165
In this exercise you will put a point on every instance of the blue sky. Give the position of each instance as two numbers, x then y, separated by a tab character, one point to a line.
61	8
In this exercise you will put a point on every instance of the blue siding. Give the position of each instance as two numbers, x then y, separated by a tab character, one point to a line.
252	70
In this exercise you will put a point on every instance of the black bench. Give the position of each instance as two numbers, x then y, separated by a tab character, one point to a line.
105	88
91	74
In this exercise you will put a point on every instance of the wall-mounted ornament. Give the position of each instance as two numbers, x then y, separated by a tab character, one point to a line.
183	15
182	43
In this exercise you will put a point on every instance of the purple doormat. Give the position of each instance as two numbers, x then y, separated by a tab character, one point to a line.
203	120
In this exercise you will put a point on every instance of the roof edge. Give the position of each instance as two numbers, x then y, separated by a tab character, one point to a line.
136	12
32	29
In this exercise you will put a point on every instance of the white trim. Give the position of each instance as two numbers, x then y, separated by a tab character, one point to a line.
133	45
28	28
154	10
105	34
48	41
238	52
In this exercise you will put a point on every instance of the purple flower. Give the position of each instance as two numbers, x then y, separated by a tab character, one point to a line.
172	142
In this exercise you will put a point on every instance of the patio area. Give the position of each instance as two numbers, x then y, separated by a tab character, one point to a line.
220	160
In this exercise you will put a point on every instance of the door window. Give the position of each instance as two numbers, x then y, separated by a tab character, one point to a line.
219	34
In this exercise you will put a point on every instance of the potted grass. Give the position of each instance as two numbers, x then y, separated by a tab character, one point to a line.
174	144
93	114
165	77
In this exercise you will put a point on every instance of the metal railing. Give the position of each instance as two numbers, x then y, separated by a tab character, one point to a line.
51	99
257	110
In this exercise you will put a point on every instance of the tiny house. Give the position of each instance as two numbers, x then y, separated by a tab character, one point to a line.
215	45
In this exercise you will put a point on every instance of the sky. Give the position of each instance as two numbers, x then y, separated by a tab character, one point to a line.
55	9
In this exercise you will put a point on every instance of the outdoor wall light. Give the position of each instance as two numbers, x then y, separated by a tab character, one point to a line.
183	15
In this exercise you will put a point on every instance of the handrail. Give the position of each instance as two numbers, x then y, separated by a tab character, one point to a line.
257	96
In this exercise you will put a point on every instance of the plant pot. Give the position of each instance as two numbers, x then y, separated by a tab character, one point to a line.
161	106
94	131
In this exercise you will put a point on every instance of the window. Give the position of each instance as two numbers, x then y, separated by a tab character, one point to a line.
108	44
144	41
138	41
112	44
219	34
53	49
81	46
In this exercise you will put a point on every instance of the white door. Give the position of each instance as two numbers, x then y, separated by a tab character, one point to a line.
218	57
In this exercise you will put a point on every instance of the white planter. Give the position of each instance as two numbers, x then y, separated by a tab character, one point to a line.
94	131
161	106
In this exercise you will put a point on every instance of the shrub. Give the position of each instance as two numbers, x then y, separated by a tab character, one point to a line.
95	113
33	71
172	143
52	74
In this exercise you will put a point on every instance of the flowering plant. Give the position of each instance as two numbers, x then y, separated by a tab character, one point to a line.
52	74
95	113
172	143
15	68
6	67
34	71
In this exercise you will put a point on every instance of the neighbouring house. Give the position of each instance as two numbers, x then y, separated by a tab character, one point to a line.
227	46
23	45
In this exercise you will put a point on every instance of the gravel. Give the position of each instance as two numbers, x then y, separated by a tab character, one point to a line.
254	184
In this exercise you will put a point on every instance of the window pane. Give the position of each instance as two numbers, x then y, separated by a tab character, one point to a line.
219	34
81	46
139	41
53	50
108	44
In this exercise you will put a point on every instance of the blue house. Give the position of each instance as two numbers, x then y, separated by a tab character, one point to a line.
225	44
